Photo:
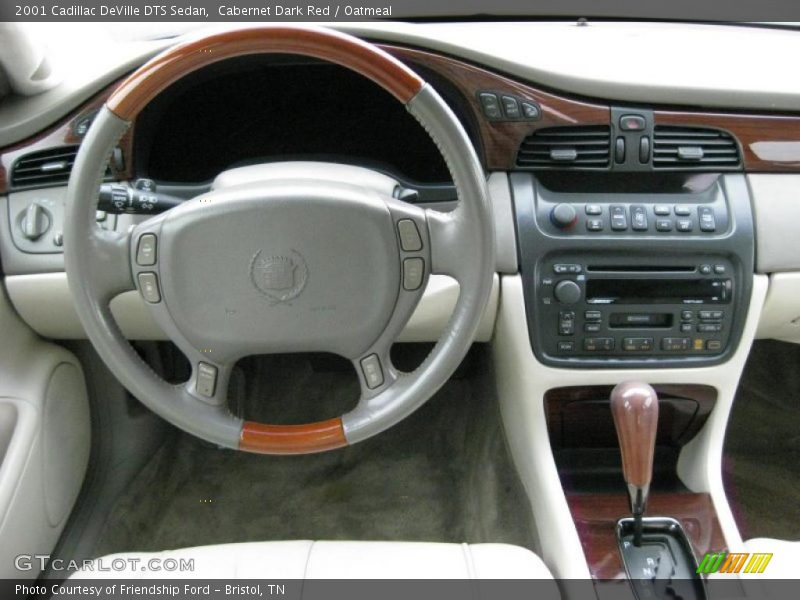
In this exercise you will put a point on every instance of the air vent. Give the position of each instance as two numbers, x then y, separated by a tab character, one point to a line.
48	167
693	148
566	148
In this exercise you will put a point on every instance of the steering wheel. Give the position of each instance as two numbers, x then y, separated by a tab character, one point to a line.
295	263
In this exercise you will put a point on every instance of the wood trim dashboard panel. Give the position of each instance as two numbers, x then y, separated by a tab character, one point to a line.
770	142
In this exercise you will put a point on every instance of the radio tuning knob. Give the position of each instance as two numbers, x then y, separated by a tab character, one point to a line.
567	292
563	215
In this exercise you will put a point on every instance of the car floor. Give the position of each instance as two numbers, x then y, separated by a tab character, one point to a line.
442	475
761	467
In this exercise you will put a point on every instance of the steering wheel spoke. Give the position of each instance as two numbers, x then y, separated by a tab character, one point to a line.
109	263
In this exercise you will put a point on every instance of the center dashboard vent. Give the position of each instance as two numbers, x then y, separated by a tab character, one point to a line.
683	148
47	167
578	147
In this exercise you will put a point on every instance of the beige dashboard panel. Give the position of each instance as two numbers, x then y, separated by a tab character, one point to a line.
44	302
776	204
780	318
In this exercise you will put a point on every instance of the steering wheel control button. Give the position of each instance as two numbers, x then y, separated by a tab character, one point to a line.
491	105
146	251
567	292
632	123
373	373
148	285
638	218
206	379
413	271
409	236
619	218
563	215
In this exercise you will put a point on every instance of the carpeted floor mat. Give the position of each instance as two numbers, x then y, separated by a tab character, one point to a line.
762	446
442	475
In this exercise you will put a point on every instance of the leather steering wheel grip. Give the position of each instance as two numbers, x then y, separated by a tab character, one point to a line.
98	262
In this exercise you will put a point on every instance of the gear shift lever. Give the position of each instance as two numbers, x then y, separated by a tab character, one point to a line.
634	406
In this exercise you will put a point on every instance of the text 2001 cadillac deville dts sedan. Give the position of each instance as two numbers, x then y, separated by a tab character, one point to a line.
401	300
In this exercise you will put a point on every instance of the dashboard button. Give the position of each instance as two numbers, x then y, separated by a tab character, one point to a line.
566	346
591	327
530	110
664	224
598	344
638	218
592	315
594	224
719	269
662	210
675	344
619	217
687	315
593	209
511	107
491	105
619	150
682	210
714	345
632	123
567	292
705	269
566	322
684	225
708	221
644	149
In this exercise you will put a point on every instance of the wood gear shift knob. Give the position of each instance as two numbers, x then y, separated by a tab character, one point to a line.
634	406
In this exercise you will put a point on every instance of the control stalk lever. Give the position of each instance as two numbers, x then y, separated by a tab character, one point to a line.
634	406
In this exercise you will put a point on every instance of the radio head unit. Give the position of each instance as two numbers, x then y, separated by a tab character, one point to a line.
603	307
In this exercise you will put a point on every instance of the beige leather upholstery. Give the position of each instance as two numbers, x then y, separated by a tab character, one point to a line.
334	560
785	557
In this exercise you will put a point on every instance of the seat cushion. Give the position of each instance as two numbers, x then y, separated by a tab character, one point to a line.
330	560
785	557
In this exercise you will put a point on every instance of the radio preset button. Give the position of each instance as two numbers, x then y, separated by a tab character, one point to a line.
675	344
598	344
637	344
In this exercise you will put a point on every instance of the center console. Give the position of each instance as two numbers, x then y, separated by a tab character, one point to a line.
634	277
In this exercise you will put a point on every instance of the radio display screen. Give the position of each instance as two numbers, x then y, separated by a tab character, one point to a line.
658	291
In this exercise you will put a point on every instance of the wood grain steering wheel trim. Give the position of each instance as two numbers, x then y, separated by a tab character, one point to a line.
292	439
148	81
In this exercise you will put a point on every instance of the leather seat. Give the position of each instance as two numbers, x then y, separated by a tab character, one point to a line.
334	560
785	557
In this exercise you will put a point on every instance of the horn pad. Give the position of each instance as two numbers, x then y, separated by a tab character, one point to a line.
281	267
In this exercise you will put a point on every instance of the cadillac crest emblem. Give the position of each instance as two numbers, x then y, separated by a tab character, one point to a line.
280	278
